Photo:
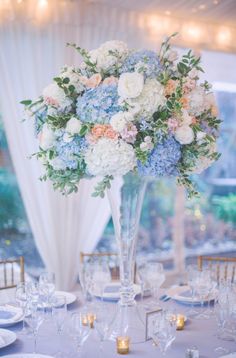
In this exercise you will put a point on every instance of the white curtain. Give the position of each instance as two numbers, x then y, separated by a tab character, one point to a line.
62	226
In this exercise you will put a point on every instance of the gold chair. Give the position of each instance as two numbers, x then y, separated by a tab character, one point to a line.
9	278
224	267
111	259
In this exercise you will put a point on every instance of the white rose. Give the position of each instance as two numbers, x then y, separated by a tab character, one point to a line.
200	135
186	119
119	120
47	137
130	85
74	78
197	100
54	96
73	126
184	135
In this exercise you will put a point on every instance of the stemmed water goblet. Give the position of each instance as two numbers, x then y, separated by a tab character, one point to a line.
155	276
21	297
59	314
101	277
78	329
102	324
47	286
192	274
202	289
34	317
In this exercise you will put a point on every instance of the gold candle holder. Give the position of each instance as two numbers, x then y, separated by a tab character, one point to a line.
122	344
91	318
180	322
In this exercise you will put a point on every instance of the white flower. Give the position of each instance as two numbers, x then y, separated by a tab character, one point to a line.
119	121
110	157
193	73
71	73
47	137
196	100
210	101
200	135
130	85
108	54
184	135
150	99
186	118
203	162
147	144
54	96
57	164
67	138
73	126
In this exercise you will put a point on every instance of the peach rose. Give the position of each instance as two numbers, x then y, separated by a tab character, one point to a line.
194	120
94	81
110	80
110	133
189	85
98	130
184	102
214	111
170	87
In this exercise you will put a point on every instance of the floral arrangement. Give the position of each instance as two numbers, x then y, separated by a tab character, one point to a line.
125	110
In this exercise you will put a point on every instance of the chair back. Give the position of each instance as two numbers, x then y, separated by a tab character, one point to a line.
10	275
223	267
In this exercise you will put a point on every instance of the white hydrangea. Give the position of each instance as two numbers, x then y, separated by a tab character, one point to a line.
74	77
47	137
204	162
119	121
110	157
130	85
57	164
73	126
54	96
184	134
150	99
109	54
147	144
196	100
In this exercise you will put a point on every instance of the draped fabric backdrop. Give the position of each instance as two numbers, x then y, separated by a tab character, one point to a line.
32	50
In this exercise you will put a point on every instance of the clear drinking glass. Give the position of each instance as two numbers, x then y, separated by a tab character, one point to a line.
192	274
21	297
33	292
34	317
155	276
59	312
102	324
163	333
47	285
101	277
78	330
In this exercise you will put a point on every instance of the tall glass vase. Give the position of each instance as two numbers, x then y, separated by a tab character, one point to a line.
126	199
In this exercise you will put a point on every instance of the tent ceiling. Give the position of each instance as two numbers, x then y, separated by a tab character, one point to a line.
222	12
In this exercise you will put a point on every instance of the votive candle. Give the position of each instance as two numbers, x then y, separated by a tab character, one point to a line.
180	322
122	344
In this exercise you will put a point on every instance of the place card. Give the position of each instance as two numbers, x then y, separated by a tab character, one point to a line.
150	318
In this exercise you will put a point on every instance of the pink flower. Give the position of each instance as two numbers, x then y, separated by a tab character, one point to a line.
51	101
110	133
110	80
129	133
170	87
173	123
189	85
94	81
103	130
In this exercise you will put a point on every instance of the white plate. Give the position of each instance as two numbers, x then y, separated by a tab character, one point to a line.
15	315
6	338
178	294
112	291
70	297
26	355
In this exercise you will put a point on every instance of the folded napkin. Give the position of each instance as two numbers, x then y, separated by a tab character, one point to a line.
9	314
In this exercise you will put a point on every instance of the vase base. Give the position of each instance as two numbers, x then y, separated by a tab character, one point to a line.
128	321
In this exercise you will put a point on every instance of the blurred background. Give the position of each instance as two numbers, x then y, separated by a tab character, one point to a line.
33	37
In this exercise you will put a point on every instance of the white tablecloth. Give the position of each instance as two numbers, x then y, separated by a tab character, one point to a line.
199	333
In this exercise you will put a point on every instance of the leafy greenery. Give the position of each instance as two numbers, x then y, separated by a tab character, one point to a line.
102	186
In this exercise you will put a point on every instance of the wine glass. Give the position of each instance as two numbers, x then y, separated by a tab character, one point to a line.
101	277
163	332
192	274
78	329
33	292
21	297
47	285
34	317
202	289
155	277
102	324
59	312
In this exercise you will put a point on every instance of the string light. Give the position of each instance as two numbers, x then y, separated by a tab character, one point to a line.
224	36
42	3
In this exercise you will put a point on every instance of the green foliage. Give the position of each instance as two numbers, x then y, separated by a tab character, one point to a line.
224	207
102	186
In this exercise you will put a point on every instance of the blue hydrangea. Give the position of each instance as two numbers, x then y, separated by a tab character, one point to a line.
148	60
99	104
69	152
162	160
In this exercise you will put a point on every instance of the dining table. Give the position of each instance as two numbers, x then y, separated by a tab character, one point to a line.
198	333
